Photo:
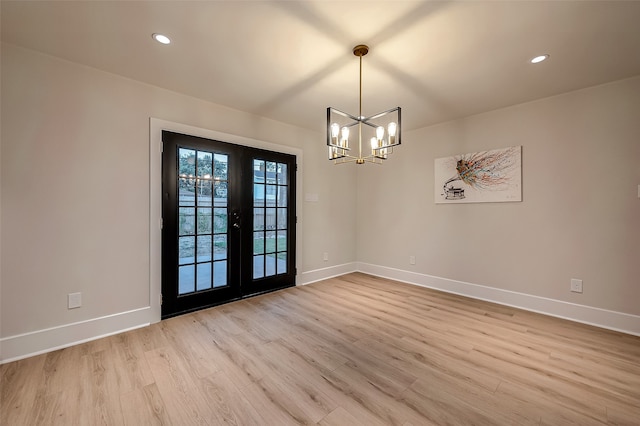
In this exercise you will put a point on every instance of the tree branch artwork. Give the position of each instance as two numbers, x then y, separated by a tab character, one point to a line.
487	176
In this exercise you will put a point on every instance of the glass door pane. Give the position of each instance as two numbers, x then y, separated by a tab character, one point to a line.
203	211
270	218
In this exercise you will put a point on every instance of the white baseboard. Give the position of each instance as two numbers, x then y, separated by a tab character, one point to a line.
25	345
617	321
326	273
21	346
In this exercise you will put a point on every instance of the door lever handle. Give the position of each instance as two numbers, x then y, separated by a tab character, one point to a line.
236	220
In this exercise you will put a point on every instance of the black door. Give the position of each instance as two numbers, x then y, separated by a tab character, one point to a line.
228	222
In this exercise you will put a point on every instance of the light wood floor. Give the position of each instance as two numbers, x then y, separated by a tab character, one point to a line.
354	350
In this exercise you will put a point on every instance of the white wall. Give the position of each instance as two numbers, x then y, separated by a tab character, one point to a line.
75	196
579	218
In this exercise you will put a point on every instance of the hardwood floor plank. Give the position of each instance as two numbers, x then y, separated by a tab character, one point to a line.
313	351
539	381
217	321
295	397
60	370
540	403
90	402
314	312
313	379
280	377
144	406
623	414
230	406
564	334
244	367
176	385
181	333
339	417
420	360
57	408
102	378
370	397
443	408
471	400
17	383
270	407
618	382
255	321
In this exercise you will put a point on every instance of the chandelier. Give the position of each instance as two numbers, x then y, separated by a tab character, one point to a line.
345	132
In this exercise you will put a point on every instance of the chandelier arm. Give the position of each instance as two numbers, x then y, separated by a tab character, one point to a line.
373	117
344	114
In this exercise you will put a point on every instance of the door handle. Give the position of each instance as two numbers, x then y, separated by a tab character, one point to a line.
236	220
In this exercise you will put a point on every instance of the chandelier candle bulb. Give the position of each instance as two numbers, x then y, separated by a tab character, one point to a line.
345	137
335	132
374	145
392	132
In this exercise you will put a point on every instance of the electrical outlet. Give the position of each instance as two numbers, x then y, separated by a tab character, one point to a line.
576	285
412	260
74	300
325	256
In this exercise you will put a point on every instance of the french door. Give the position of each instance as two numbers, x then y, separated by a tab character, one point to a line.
228	222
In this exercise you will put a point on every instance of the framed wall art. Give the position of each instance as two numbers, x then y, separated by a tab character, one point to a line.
480	177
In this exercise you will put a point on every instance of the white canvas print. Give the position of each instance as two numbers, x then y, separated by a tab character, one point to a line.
480	177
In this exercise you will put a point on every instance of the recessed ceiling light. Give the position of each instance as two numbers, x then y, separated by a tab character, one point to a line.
539	59
160	38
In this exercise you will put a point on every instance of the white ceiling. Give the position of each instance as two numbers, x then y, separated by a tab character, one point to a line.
290	60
